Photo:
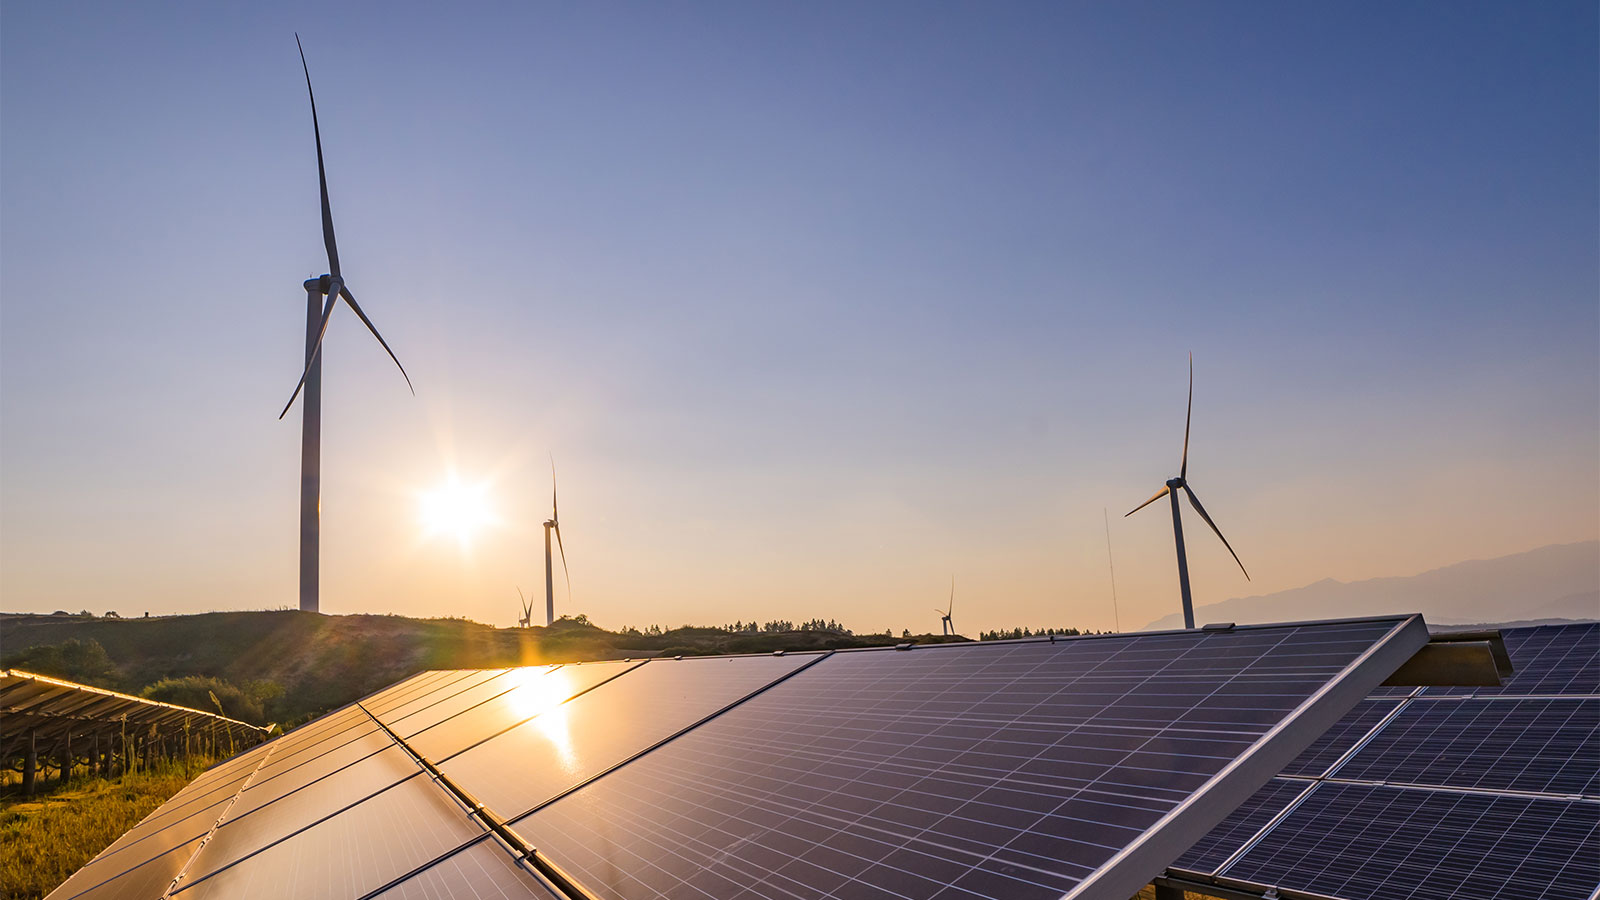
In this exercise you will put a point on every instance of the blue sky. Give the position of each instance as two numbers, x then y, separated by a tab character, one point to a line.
815	304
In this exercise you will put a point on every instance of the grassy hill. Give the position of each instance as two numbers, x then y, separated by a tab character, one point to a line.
298	664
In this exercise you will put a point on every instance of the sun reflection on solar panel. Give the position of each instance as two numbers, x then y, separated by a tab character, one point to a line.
541	693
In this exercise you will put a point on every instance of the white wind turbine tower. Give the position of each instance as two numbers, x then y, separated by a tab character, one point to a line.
1173	486
333	287
944	614
553	524
527	611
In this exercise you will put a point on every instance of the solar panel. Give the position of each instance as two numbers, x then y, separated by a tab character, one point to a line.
1457	786
532	693
1356	840
1337	741
1549	746
582	738
1549	659
1032	768
483	871
148	879
1017	770
343	855
1213	850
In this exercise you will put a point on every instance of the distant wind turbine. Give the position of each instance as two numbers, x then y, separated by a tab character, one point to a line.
944	614
333	287
527	611
553	524
1173	486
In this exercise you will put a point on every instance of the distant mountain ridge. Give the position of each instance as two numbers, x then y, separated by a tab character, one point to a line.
1559	581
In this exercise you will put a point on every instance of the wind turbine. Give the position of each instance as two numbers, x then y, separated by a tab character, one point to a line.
527	611
553	524
944	614
333	287
1173	486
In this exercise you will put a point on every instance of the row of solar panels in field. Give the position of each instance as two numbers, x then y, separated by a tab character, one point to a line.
1434	793
42	717
1032	769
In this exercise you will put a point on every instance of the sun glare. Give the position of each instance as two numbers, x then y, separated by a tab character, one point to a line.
456	509
541	694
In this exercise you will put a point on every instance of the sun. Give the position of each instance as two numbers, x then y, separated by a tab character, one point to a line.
456	508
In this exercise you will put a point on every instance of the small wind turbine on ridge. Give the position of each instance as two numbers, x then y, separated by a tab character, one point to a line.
944	614
553	524
333	287
527	611
1173	486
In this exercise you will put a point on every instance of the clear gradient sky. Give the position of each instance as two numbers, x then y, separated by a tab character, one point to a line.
815	304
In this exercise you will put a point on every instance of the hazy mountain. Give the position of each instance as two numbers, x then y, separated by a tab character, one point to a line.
1561	581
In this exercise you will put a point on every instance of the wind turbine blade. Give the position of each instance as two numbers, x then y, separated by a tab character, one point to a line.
564	573
1195	502
1188	416
527	609
553	508
952	596
350	299
322	173
1157	496
316	349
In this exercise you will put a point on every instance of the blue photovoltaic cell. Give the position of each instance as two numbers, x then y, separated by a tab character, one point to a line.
1360	841
1336	741
1241	825
1542	746
1012	770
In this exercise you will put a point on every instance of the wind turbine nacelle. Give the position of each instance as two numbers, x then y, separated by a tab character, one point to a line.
1174	483
320	285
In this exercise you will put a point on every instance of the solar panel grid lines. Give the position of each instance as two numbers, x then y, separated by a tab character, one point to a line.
145	880
311	762
1546	746
1243	826
484	870
301	811
833	802
306	813
510	709
115	864
1498	757
599	731
1255	768
1357	840
1549	660
343	855
1335	745
706	704
178	878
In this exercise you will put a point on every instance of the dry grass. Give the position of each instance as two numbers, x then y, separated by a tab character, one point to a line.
45	839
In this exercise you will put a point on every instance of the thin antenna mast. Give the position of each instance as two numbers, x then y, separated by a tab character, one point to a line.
1106	514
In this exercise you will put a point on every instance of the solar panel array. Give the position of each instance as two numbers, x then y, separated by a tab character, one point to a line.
1036	768
1439	793
49	711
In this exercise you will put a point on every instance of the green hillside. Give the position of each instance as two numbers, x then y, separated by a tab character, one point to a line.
290	665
